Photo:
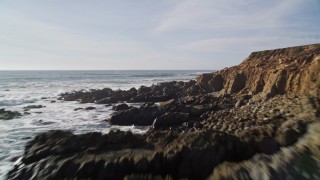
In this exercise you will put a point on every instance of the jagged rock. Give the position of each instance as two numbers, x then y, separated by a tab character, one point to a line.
121	154
156	93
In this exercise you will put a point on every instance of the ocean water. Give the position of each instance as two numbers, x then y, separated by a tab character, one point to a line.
19	89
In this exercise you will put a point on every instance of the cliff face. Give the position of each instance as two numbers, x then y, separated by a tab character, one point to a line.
268	73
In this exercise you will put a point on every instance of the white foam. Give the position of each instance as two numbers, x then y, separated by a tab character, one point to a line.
59	115
14	102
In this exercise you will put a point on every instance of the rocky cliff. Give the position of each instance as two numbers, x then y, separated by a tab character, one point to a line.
268	73
263	125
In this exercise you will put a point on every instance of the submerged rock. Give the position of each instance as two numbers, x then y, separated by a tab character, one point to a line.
90	108
77	109
7	115
27	108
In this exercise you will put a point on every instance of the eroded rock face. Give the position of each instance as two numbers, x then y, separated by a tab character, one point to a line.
269	73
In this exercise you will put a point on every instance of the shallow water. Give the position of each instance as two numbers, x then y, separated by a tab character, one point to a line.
19	89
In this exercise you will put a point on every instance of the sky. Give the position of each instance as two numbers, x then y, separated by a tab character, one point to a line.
149	34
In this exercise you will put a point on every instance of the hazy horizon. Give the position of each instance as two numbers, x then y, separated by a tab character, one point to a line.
149	35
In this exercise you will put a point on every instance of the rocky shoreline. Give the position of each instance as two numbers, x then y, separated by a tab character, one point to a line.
257	120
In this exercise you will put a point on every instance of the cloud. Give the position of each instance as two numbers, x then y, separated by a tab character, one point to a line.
32	44
182	34
227	14
41	44
239	26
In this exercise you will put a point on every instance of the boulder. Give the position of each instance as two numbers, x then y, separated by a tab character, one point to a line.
120	107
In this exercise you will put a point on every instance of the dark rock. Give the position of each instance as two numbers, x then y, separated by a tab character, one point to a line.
156	93
198	125
120	107
122	154
90	108
143	116
170	119
268	146
77	109
196	111
139	98
143	89
27	108
112	99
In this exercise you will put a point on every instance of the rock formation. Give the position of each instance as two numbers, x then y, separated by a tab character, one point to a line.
257	120
268	73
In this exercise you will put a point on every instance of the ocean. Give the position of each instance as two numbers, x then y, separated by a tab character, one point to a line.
19	89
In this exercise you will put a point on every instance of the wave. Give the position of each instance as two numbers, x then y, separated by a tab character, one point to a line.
199	73
152	75
14	102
